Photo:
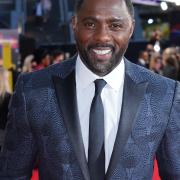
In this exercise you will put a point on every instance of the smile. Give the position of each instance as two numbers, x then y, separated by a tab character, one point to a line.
102	52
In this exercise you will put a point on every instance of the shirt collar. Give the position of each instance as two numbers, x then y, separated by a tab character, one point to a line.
114	79
142	61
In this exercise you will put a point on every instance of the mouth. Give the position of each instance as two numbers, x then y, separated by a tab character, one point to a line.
101	53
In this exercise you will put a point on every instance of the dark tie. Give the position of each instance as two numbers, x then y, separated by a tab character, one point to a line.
96	152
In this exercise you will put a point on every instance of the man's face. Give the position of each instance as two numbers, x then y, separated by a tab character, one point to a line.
102	31
46	61
146	56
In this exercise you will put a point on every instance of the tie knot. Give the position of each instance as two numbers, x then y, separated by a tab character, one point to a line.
99	85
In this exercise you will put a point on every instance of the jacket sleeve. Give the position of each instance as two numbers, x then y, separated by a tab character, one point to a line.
19	149
168	155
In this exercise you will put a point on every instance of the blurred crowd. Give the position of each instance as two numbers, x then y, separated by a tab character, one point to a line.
42	58
165	62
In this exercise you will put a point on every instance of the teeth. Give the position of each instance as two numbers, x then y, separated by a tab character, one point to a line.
102	52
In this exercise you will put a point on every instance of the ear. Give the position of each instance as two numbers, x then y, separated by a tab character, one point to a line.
132	28
74	22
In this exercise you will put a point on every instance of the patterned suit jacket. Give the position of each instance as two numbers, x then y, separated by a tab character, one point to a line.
43	123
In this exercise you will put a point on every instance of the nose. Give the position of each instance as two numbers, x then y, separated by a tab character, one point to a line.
102	34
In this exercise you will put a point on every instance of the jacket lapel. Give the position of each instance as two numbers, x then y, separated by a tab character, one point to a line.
66	94
132	97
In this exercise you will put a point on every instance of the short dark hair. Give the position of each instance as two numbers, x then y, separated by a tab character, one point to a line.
40	53
129	5
57	52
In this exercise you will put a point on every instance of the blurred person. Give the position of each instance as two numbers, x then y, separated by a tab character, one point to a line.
38	12
39	8
171	68
150	49
57	56
143	59
1	62
12	69
157	40
15	73
28	63
168	52
4	97
46	7
34	65
156	36
155	64
178	53
42	58
4	101
95	116
178	59
67	55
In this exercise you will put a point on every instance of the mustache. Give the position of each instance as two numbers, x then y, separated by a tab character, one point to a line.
93	46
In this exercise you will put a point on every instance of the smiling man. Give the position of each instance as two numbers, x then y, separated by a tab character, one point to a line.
102	32
95	116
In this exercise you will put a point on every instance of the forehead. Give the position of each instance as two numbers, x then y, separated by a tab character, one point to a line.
103	7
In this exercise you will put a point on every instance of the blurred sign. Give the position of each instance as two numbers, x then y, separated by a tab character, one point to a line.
9	50
7	55
9	36
7	61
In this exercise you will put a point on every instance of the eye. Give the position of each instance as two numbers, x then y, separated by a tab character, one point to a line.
89	25
115	26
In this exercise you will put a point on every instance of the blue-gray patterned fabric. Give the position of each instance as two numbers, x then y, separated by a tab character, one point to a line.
37	130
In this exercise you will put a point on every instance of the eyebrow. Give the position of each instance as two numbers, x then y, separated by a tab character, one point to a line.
116	20
90	18
112	19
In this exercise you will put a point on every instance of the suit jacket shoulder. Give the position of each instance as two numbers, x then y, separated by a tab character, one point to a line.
140	74
42	78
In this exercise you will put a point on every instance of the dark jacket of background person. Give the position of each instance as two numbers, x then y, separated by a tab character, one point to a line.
143	59
170	72
4	102
4	97
178	58
42	58
171	68
155	64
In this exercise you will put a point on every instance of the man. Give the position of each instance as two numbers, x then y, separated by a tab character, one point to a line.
57	56
51	110
42	58
143	59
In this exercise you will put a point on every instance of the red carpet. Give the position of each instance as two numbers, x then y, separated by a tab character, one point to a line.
35	175
155	175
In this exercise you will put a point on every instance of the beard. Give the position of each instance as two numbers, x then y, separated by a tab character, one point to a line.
94	64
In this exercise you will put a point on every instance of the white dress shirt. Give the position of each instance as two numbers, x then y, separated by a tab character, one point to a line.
111	96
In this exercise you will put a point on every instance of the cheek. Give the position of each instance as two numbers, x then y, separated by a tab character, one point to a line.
121	42
83	38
